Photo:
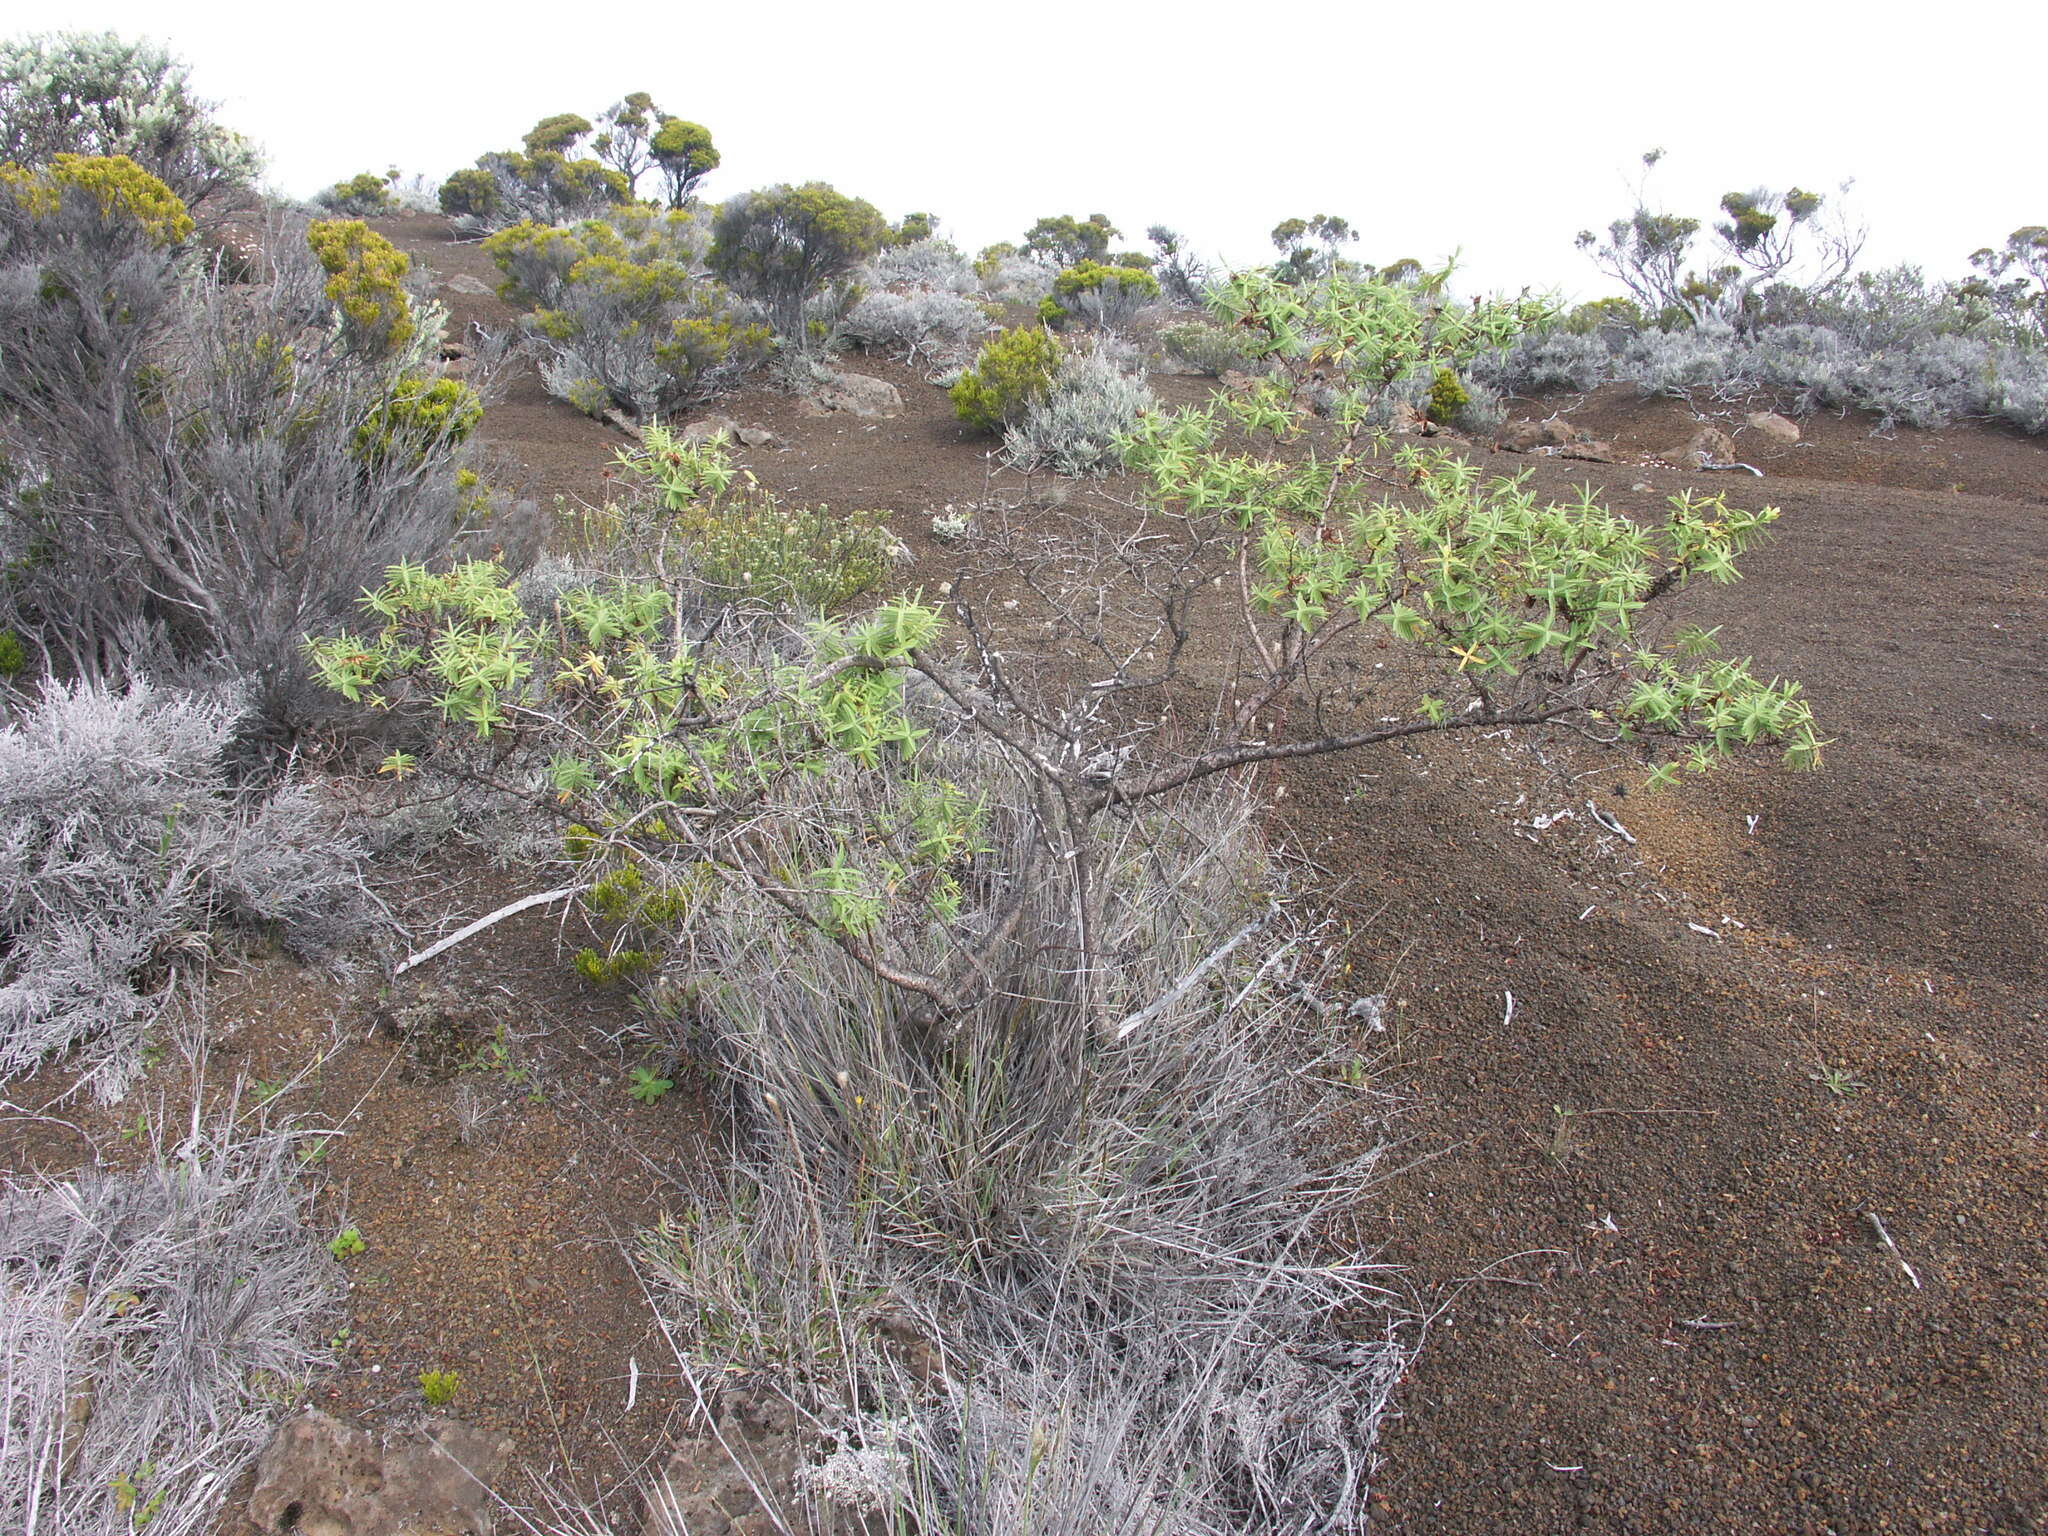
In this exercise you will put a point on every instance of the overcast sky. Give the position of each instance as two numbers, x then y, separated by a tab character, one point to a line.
1491	130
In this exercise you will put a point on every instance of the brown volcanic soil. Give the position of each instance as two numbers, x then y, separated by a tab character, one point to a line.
1636	1216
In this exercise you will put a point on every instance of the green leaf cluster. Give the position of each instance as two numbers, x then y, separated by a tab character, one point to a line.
1009	373
364	283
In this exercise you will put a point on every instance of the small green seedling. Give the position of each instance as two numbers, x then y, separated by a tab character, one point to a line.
645	1086
1839	1081
347	1243
439	1387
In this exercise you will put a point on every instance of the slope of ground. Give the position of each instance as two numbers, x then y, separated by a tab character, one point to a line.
1722	1199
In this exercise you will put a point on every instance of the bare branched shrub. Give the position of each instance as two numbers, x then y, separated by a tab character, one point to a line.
155	1325
121	841
1073	428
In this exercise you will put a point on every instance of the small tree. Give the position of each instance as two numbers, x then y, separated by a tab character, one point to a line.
623	135
685	154
1064	241
1764	237
1310	248
96	94
785	246
557	135
1181	276
2012	280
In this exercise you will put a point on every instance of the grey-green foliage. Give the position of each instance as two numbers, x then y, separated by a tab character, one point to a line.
183	1302
1074	427
121	834
96	93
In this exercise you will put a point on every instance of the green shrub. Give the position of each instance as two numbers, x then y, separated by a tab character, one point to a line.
471	194
1447	397
788	247
126	197
1097	294
359	197
13	655
1009	373
744	543
418	418
1206	348
363	282
622	317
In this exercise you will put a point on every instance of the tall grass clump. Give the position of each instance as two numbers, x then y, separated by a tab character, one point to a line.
156	1323
1031	1265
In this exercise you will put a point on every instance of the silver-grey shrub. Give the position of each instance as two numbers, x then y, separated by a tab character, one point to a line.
921	323
121	837
1073	428
933	263
217	463
155	1323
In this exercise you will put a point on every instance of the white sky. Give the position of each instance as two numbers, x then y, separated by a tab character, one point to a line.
1498	130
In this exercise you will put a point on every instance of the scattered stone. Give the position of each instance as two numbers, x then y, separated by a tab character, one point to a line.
619	421
1407	419
1777	428
462	282
1709	445
321	1477
746	437
1528	436
856	394
1591	452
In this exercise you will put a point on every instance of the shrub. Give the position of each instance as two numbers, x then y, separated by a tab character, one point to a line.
1105	297
1447	397
933	264
1009	372
96	95
119	832
185	461
921	322
360	197
625	318
108	202
1182	277
183	1300
1206	348
787	247
364	272
1073	429
744	544
419	419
